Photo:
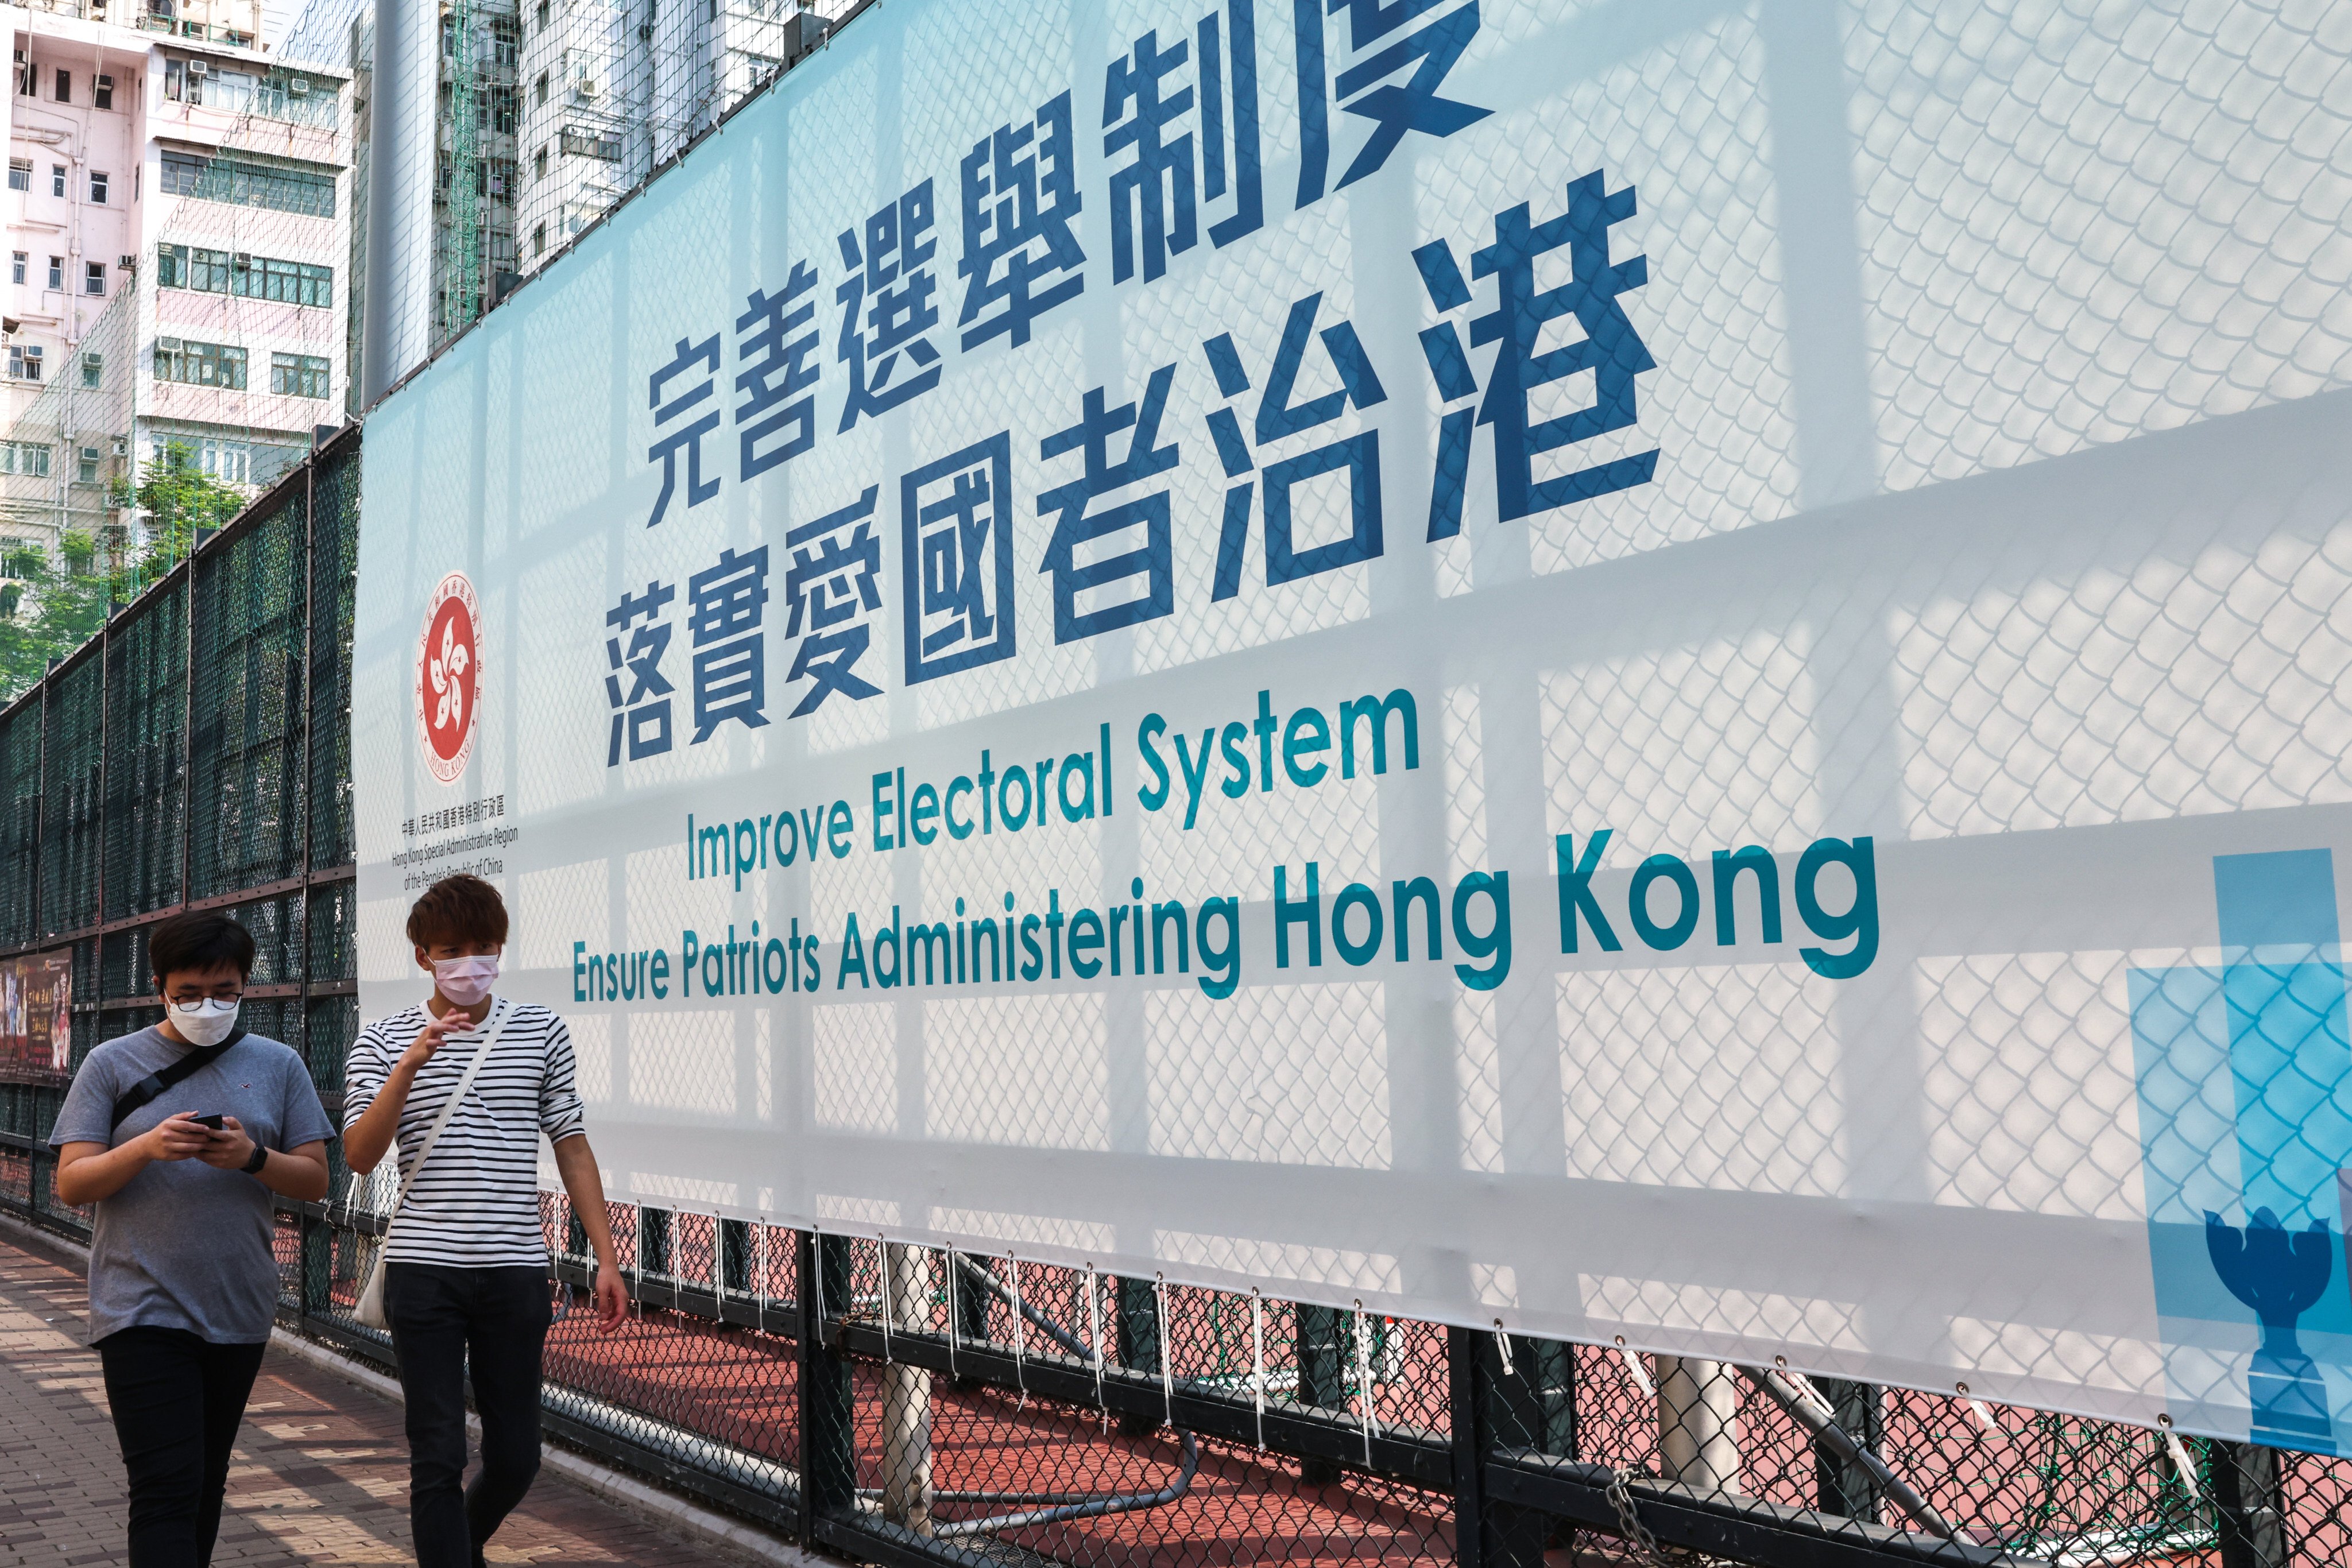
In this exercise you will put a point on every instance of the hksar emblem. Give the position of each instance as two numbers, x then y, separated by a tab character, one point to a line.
449	677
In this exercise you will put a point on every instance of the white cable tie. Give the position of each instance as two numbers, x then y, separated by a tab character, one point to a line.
1258	1353
759	1270
1364	1378
1811	1396
2181	1462
1502	1345
1094	1330
816	1286
1641	1374
1983	1412
884	1247
1166	1378
1020	1335
955	1313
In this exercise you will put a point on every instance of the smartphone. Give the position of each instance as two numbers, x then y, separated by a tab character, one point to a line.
213	1121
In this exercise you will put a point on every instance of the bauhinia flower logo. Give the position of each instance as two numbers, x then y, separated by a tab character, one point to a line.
449	677
444	671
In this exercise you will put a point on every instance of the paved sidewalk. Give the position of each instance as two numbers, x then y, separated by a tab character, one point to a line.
320	1474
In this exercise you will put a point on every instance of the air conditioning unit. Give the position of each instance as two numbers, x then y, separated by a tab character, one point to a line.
587	85
298	87
198	68
127	263
122	447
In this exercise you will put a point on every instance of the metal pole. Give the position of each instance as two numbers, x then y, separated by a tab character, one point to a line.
1699	1424
906	1394
828	1451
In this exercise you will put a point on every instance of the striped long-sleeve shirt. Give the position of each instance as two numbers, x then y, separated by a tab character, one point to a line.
476	1203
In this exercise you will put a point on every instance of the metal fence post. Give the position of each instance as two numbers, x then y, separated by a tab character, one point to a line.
1138	1341
2250	1506
1488	1534
1846	1487
828	1443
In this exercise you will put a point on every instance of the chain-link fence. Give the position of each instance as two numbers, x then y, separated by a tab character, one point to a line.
907	1405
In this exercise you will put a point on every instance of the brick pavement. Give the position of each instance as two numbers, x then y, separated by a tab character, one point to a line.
320	1473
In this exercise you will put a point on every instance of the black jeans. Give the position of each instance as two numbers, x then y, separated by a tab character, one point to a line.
176	1400
441	1320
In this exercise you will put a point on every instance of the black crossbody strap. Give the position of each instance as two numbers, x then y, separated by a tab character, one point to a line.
145	1091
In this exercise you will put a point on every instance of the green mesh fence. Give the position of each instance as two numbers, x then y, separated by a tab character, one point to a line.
334	578
72	773
146	755
20	820
251	600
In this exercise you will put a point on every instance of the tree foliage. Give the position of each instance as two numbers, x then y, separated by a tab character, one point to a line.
49	607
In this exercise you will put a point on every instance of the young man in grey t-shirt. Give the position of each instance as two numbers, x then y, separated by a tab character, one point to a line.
182	1280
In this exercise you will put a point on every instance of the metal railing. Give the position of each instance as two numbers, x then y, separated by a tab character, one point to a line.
904	1405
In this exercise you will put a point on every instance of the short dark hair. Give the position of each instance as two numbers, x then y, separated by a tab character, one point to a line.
458	909
198	943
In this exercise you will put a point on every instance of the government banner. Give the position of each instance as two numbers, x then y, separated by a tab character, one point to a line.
1665	674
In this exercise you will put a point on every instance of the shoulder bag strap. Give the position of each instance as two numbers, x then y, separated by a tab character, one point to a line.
504	1011
146	1091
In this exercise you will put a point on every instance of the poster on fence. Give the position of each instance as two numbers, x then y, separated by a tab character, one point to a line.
1675	673
37	1012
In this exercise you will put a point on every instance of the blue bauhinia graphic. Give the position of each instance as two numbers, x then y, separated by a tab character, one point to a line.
2245	1083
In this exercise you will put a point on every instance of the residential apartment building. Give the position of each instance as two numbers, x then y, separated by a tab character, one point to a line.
177	229
611	92
501	129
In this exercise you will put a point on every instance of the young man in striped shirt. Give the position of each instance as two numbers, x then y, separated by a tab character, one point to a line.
467	1268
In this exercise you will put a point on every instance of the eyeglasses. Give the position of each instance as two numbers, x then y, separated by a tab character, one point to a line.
188	999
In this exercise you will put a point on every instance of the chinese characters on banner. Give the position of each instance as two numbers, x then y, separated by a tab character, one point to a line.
1182	146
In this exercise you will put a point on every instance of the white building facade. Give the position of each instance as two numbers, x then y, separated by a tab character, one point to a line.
177	224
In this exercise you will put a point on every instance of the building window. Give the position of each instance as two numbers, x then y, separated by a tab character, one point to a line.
57	273
18	265
93	277
538	165
538	90
103	98
506	41
29	458
93	366
241	272
65	85
199	364
175	77
588	143
20	174
539	240
56	178
542	15
97	184
281	188
297	375
24	361
90	465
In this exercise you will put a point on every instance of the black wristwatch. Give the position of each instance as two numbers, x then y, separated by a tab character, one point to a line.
261	1158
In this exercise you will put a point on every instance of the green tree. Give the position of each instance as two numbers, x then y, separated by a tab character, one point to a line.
48	609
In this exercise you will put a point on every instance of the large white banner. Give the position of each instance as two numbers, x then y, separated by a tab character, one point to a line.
1672	671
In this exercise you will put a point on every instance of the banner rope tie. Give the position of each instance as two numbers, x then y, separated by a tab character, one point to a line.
1020	1336
1257	1354
1167	1379
955	1313
884	1247
1364	1378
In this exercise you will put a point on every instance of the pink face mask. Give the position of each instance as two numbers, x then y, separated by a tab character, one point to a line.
464	981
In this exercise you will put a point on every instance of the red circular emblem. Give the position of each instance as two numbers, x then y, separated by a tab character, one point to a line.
449	676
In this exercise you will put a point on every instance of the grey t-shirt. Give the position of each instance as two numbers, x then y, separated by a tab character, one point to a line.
185	1245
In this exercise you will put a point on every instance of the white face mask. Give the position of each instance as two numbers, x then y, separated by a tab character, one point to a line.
464	981
206	1022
